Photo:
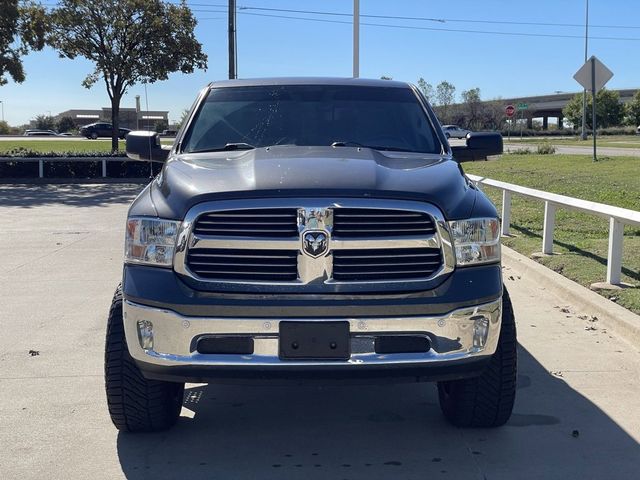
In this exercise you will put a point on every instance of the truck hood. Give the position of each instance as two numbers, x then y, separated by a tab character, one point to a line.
293	171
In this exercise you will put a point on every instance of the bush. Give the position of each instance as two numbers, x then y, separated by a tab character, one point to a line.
526	132
546	148
520	151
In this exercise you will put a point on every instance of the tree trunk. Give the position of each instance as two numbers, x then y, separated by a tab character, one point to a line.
115	122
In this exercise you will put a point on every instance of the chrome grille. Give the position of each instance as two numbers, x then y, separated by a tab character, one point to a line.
314	246
375	222
385	264
259	222
241	264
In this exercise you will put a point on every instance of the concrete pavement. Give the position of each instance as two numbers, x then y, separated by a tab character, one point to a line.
576	413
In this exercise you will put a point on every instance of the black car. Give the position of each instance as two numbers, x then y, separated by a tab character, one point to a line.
102	129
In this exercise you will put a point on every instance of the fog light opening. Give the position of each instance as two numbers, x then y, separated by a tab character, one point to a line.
145	334
480	331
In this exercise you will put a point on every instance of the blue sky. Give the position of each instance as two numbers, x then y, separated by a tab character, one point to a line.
500	65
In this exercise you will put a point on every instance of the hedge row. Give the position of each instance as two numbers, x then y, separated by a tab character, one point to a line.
81	169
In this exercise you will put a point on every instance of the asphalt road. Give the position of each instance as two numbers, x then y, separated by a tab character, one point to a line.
576	415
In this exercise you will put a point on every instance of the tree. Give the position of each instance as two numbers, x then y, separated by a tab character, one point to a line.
183	117
609	110
65	124
632	110
385	77
426	89
472	105
45	122
129	41
445	96
5	129
160	126
22	28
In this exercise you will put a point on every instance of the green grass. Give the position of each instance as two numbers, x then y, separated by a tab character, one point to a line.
581	239
72	145
618	141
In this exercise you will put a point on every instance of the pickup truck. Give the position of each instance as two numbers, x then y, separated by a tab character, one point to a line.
310	229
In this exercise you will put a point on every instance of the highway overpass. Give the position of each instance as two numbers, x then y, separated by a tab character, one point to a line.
550	106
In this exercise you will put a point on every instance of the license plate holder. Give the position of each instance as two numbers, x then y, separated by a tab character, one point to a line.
314	341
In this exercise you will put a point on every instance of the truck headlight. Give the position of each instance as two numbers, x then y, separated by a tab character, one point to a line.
476	240
150	241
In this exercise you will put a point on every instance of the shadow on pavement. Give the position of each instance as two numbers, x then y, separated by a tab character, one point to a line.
392	431
73	194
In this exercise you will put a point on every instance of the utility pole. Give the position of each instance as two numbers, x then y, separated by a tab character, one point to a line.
138	112
356	38
584	92
233	69
2	103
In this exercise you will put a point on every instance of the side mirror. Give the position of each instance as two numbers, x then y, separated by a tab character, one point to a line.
143	145
479	146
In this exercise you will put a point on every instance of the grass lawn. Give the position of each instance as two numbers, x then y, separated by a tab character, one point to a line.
72	145
619	141
581	239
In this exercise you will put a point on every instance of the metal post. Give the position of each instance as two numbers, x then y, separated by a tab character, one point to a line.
614	262
356	38
233	72
584	91
41	168
2	103
104	167
506	212
593	94
138	112
549	226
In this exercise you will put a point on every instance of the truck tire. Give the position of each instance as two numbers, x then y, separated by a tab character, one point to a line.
135	403
487	400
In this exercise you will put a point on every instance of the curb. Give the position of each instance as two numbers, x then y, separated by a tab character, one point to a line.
617	318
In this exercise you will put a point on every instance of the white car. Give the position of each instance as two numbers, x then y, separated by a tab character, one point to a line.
454	131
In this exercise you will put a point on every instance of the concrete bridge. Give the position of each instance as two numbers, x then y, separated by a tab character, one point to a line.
550	106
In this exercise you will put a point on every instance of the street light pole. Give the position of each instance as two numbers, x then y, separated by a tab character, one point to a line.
584	92
356	38
233	68
2	103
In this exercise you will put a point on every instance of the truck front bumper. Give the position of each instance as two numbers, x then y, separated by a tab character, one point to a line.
163	344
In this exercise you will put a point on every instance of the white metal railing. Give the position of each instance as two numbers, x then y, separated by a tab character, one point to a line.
618	218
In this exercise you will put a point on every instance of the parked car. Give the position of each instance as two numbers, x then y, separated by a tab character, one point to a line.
169	133
36	132
637	130
102	129
310	229
454	131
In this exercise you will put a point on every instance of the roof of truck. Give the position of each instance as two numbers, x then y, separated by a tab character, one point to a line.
365	82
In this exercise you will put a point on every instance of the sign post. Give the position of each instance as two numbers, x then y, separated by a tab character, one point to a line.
593	75
522	107
509	111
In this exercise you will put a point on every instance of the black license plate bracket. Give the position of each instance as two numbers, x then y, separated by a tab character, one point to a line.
314	340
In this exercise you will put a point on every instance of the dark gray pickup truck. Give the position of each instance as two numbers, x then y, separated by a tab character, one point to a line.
310	229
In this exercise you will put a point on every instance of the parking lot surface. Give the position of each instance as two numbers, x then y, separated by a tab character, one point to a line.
577	414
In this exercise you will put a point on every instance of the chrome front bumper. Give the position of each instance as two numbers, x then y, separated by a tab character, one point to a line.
461	335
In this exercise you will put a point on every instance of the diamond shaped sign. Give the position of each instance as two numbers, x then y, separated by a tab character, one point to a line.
592	67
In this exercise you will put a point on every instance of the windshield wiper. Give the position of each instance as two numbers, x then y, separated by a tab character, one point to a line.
227	147
373	147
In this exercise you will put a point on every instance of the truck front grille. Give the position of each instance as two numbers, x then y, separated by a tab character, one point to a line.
241	264
259	222
302	245
385	264
376	222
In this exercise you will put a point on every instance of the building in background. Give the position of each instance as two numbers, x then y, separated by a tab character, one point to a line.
129	118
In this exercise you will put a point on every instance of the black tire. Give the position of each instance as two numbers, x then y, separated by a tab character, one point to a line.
93	136
135	403
487	400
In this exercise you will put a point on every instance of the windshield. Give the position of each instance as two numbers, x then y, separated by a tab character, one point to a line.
386	118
